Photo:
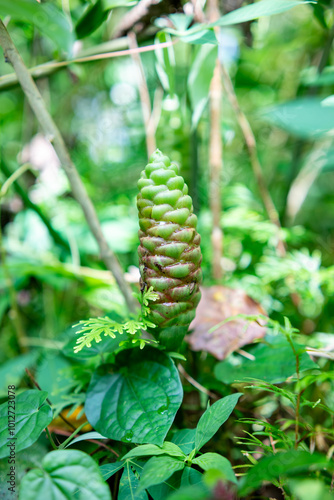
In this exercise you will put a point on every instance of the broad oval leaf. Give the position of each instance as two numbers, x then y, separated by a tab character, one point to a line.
159	469
273	362
137	402
214	461
65	475
47	17
305	117
213	418
164	490
191	477
32	415
185	439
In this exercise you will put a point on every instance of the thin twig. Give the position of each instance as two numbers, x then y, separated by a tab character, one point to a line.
133	16
194	382
29	204
63	432
216	157
102	445
13	177
53	134
253	156
144	95
46	69
36	384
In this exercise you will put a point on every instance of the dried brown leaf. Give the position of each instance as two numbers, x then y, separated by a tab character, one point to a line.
217	304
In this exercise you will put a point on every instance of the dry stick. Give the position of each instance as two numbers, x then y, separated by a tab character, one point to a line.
253	156
63	432
46	69
144	95
53	135
216	158
133	17
194	382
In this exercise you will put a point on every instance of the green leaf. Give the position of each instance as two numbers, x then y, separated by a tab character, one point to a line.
273	363
137	402
108	470
159	469
12	371
256	10
85	437
312	77
214	461
201	37
96	13
213	418
47	17
181	21
32	415
163	490
129	485
305	117
190	477
62	475
199	80
167	448
198	491
282	464
165	62
54	375
185	439
307	489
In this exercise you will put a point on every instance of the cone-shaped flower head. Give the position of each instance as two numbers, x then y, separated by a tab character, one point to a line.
169	251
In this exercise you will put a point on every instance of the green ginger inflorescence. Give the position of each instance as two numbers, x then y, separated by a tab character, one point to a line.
169	252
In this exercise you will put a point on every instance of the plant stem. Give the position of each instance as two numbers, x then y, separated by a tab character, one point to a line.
54	136
36	384
12	178
216	157
194	383
43	70
69	439
144	95
299	392
253	156
53	444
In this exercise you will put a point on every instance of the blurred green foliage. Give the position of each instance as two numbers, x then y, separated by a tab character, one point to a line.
282	68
